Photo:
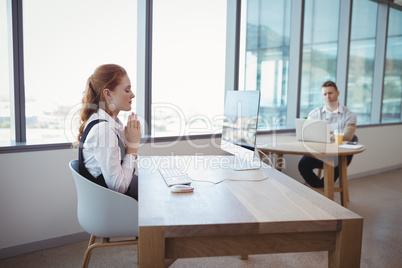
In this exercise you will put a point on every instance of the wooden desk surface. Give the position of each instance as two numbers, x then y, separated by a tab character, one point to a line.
277	204
287	144
242	217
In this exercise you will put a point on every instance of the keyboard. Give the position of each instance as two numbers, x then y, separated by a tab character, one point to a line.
174	176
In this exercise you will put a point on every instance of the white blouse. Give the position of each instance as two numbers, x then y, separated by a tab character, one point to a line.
102	155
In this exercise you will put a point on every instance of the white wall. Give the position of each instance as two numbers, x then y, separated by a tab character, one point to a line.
37	192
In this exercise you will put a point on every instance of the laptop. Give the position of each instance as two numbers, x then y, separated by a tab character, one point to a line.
312	130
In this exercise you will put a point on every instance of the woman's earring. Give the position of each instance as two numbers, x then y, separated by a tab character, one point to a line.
112	107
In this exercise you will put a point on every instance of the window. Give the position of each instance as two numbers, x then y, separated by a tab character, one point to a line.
188	66
391	105
320	51
6	78
361	59
266	61
64	41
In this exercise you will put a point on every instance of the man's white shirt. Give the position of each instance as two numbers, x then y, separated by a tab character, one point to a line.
337	119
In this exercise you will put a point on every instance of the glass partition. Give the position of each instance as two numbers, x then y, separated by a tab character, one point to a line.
392	99
361	59
320	51
6	77
64	41
266	59
188	67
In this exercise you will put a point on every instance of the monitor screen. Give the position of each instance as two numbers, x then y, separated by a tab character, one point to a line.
239	129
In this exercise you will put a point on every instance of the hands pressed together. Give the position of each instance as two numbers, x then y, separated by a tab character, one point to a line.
132	134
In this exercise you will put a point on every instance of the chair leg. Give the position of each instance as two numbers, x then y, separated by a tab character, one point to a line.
105	243
88	252
345	189
91	240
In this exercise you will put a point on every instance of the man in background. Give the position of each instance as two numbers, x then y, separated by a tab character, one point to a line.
341	119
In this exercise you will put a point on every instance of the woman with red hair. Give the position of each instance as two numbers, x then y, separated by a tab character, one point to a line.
108	149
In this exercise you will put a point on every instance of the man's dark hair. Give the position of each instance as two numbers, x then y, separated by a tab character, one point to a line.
329	84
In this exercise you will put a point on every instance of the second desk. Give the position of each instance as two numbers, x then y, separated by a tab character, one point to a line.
326	152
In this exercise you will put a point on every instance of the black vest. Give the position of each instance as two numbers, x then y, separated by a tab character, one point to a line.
81	167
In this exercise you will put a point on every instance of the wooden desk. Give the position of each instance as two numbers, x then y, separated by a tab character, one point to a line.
241	217
326	152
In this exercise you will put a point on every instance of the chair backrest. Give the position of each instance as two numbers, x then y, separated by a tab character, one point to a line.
103	212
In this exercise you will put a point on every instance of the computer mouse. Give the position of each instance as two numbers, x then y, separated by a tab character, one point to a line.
181	188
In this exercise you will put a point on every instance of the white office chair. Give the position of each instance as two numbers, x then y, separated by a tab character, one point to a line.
104	213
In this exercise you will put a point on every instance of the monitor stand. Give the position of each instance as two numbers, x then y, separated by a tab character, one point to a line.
246	162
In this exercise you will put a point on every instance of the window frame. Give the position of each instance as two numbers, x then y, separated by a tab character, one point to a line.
18	121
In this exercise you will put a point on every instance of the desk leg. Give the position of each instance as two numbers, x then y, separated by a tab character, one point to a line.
151	247
244	257
343	165
348	245
329	177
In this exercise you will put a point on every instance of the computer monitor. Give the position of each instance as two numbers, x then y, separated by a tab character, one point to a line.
239	129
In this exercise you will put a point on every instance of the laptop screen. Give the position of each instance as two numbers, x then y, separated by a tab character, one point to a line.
312	130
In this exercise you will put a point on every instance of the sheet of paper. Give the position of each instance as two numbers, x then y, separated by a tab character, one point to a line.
350	146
